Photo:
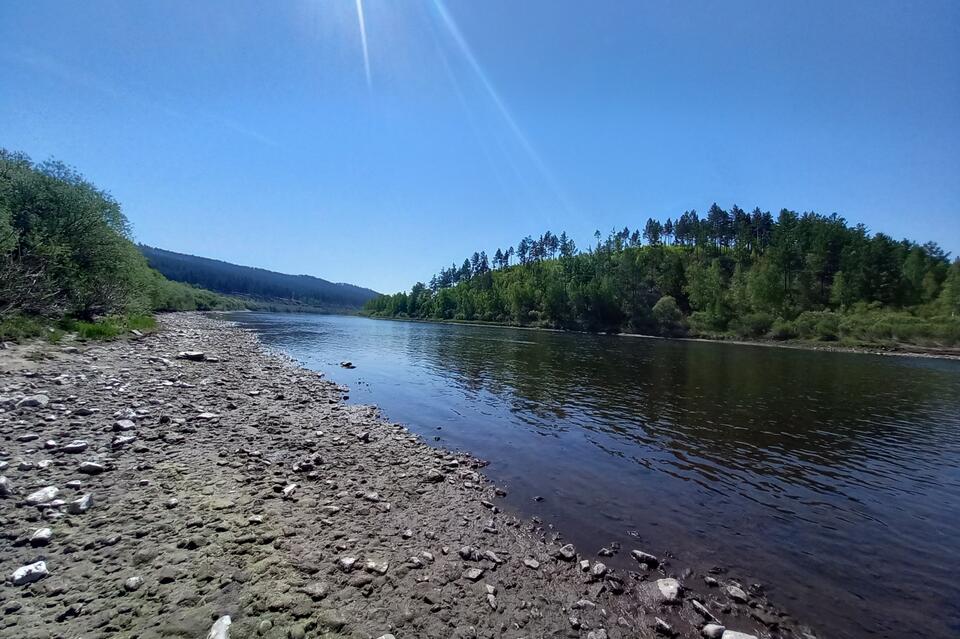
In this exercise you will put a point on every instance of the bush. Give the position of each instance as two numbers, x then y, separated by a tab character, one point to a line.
667	315
753	324
783	330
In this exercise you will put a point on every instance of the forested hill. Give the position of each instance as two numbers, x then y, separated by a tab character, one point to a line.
728	273
257	283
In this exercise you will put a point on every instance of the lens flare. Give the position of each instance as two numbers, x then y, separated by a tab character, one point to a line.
467	53
363	42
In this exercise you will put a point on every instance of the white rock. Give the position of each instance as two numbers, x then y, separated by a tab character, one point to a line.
737	594
220	628
598	570
91	468
473	574
733	634
81	505
29	574
43	495
41	537
713	631
133	583
644	557
6	488
669	588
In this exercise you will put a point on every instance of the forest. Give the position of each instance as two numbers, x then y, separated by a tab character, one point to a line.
66	255
727	274
261	286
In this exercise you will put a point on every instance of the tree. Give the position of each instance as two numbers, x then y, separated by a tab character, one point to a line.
950	296
667	314
566	245
652	232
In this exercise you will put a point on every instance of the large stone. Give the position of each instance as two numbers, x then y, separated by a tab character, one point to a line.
193	356
733	634
567	553
81	505
29	574
220	628
41	537
670	589
6	488
473	574
33	401
133	583
119	441
42	496
76	446
713	631
644	558
91	468
737	594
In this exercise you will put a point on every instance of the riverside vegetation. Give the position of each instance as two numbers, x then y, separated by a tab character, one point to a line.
730	274
67	262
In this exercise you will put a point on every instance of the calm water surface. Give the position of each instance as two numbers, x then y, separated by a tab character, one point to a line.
831	478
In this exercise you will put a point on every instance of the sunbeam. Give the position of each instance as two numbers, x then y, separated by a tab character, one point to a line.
467	53
363	42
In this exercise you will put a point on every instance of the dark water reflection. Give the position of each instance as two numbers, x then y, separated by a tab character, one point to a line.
832	478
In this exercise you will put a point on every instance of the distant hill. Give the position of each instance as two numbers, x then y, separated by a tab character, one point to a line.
273	289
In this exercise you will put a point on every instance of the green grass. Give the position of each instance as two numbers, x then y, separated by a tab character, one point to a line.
109	327
18	328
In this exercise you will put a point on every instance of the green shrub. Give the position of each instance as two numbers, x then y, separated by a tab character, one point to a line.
752	324
667	315
783	330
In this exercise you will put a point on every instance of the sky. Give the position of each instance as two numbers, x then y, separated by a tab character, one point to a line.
294	136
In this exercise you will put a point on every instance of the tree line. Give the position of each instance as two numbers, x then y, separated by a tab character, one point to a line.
726	273
66	250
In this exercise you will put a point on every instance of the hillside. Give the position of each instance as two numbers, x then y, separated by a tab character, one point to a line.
277	289
728	274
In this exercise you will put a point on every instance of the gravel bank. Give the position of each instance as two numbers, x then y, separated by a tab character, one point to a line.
151	495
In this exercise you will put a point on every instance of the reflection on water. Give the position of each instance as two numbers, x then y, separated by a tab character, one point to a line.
832	478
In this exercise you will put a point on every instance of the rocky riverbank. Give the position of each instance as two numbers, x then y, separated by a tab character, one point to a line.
155	486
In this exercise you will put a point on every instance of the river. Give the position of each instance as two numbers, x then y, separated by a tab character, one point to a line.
832	479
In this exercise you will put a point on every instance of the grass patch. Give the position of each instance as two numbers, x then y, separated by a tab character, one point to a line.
20	327
109	327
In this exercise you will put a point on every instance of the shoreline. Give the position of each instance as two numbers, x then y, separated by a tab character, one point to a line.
252	490
800	345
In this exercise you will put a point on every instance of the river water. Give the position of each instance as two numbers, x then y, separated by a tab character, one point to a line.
833	479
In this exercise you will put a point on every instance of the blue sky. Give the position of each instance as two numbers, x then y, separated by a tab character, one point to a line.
251	131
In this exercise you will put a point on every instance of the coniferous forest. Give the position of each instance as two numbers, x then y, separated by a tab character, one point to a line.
729	273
